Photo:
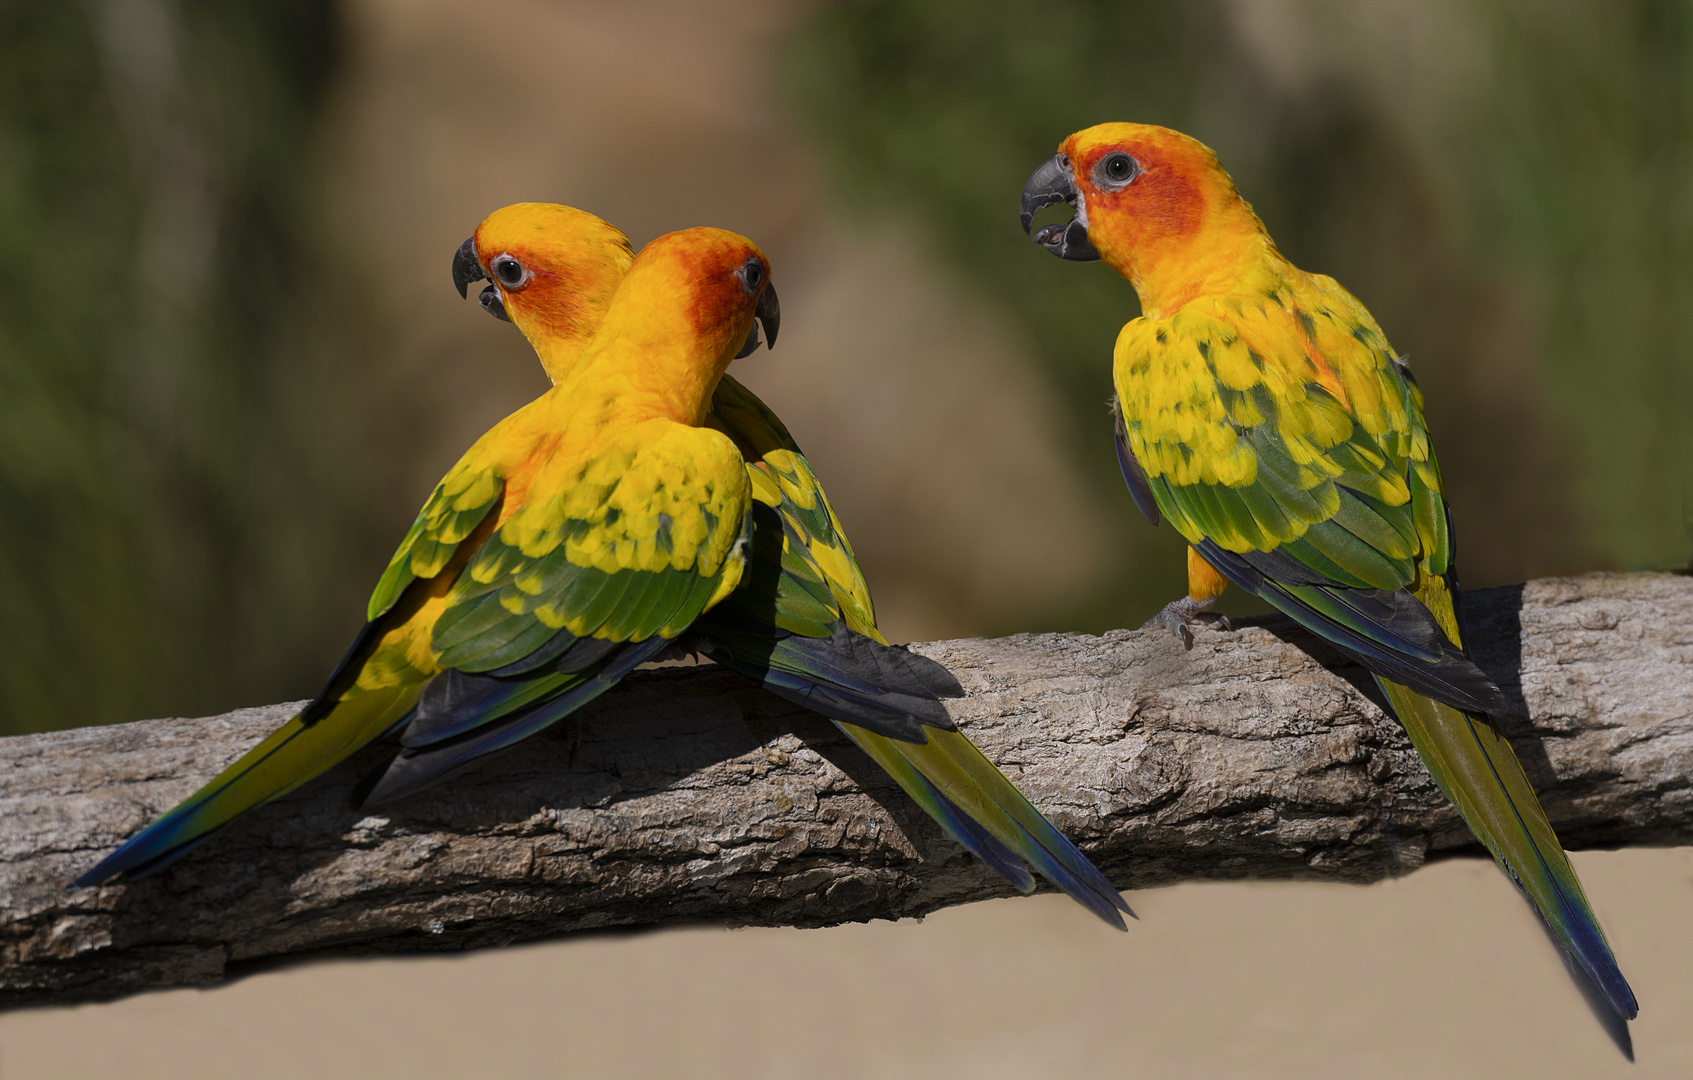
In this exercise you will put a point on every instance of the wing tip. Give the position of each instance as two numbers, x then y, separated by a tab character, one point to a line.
129	863
98	875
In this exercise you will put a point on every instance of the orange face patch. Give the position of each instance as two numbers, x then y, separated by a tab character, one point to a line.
552	302
1178	227
573	264
1163	203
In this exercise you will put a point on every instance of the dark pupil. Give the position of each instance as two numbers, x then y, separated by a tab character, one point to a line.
754	273
510	271
1118	167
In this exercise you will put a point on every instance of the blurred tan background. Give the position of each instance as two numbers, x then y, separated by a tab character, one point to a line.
1443	973
232	366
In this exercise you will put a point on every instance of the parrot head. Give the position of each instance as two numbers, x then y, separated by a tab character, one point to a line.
553	270
1153	204
688	306
722	281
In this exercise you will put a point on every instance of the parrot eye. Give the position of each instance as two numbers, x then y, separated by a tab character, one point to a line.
1115	171
509	271
751	274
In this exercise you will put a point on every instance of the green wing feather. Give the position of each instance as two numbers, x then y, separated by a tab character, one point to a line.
627	553
374	688
612	559
1330	510
1477	769
803	624
459	503
1286	443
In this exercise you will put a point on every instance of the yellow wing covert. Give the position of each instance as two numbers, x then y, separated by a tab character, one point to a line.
1288	446
635	543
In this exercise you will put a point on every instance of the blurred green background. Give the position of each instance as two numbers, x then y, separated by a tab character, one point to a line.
212	429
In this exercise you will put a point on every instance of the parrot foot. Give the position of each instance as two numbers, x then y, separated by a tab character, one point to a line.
683	650
1178	615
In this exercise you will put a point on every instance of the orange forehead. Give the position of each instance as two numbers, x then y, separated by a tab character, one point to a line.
701	264
1168	198
702	248
1147	143
548	234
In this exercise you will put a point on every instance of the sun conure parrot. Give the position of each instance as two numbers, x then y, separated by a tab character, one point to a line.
1261	411
572	542
802	622
469	664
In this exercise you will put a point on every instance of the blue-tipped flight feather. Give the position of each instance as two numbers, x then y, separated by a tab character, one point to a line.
297	752
907	731
418	767
1477	769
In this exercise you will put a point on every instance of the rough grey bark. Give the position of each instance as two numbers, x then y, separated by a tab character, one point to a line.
689	795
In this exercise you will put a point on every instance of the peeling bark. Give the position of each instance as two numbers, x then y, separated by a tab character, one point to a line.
690	795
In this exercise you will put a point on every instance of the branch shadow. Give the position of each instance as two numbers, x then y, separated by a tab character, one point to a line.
1492	623
645	737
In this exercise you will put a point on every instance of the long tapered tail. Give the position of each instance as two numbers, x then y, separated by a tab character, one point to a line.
983	810
859	681
293	754
1477	769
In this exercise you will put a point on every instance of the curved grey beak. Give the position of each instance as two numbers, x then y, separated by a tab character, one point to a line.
768	312
489	298
1049	185
467	268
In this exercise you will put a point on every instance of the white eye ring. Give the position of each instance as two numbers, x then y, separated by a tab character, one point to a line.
1116	171
508	271
751	274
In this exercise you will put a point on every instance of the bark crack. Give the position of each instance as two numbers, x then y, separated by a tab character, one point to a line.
689	795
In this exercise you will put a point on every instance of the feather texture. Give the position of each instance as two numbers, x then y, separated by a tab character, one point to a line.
1263	410
579	536
572	542
802	624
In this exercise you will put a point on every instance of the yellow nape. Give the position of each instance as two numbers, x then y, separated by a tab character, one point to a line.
682	312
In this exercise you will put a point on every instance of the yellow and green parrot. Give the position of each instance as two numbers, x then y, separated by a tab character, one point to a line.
1261	411
599	526
802	622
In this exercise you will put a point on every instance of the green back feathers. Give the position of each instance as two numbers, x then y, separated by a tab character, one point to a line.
1280	436
1245	441
802	623
815	579
738	413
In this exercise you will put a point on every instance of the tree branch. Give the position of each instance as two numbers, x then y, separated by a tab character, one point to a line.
690	795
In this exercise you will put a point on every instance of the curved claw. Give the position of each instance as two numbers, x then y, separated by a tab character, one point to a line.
1178	615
